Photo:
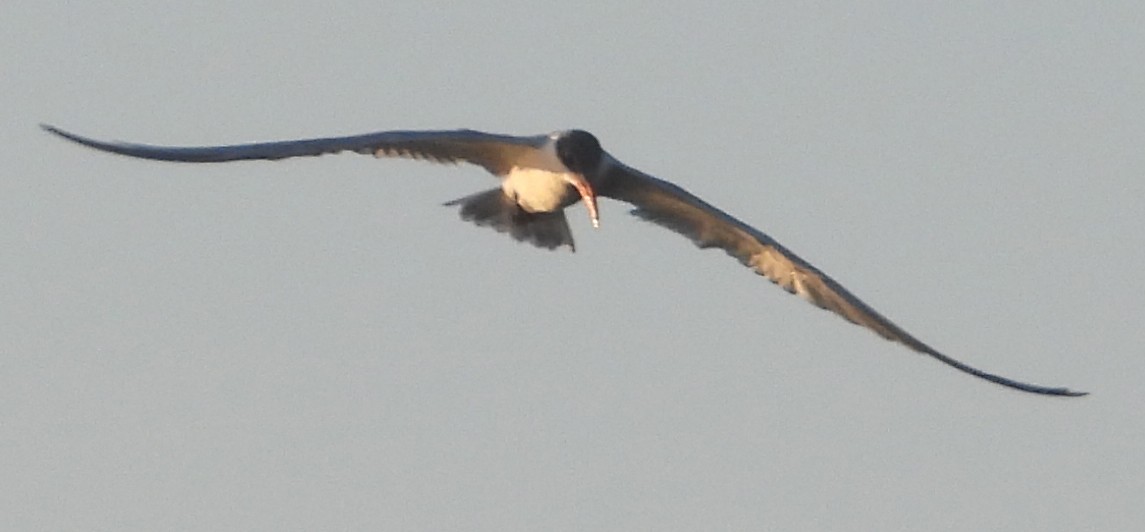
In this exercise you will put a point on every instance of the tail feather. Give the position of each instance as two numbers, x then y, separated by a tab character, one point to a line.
493	208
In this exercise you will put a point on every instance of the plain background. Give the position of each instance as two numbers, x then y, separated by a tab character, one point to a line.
319	345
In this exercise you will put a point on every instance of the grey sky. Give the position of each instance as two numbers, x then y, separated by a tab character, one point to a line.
318	344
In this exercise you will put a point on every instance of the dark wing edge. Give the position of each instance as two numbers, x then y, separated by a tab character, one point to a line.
490	151
674	208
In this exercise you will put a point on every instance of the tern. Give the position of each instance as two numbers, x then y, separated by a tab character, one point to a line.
541	175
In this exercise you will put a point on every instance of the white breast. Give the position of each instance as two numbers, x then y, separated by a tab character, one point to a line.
538	182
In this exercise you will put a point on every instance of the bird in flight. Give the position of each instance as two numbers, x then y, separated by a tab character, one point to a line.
541	175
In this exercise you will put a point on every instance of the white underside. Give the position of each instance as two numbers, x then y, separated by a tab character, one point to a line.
539	183
539	190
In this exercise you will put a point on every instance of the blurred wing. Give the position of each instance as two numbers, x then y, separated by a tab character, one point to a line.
670	206
493	152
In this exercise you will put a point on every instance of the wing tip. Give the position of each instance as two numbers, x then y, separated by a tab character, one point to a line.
53	129
68	135
1066	392
1041	390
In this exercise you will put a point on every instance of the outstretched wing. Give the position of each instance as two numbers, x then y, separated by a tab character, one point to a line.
670	206
495	153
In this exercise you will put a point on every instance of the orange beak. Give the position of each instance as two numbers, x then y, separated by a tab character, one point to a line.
587	194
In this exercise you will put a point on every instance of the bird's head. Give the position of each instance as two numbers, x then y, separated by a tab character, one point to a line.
579	151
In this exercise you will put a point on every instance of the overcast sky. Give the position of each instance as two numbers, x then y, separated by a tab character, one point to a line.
318	344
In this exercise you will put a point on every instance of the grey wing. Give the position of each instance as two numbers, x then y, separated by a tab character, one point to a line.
672	207
493	152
